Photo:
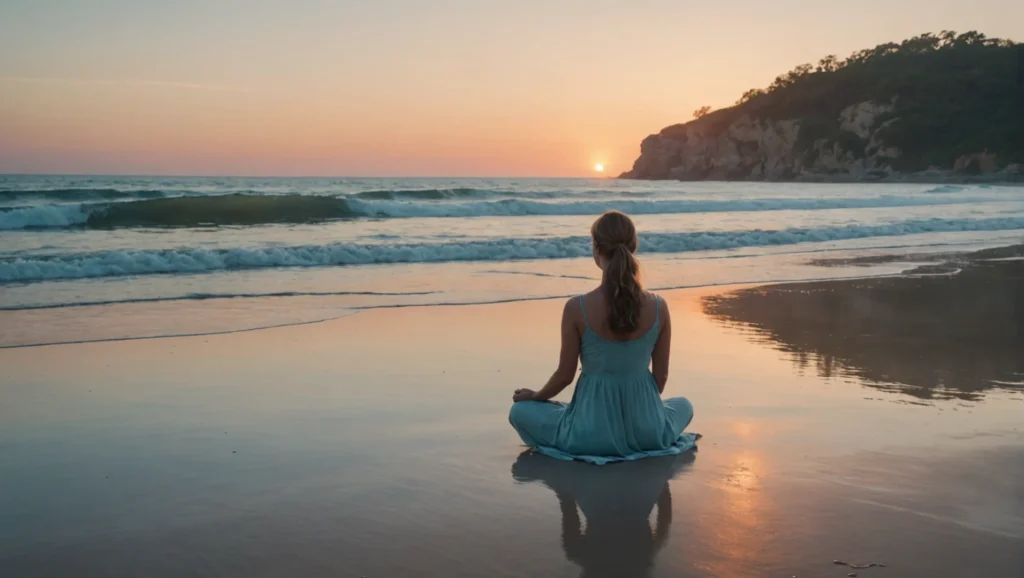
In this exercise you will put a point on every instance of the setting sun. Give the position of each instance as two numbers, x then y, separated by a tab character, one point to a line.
599	167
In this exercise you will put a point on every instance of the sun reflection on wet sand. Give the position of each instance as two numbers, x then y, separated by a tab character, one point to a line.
744	430
739	524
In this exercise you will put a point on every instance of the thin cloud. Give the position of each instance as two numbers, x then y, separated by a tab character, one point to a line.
115	82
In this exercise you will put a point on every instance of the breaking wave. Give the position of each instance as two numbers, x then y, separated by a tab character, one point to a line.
197	260
239	209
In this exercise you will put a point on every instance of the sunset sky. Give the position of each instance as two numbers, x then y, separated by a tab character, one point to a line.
404	87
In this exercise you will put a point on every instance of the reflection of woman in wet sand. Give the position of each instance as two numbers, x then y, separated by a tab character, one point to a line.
616	502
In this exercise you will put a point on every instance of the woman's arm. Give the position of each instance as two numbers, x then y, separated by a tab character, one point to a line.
568	359
659	358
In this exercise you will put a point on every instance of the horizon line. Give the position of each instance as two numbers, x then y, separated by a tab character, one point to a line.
240	176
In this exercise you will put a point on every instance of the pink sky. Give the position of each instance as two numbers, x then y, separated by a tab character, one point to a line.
403	87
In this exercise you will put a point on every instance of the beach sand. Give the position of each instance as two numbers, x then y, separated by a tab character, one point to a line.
378	445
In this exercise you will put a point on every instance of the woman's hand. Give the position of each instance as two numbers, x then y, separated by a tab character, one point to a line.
572	323
524	395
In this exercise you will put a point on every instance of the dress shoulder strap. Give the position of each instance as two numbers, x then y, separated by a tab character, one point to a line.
657	308
583	311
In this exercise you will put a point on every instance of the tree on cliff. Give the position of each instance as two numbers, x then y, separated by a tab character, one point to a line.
954	95
702	111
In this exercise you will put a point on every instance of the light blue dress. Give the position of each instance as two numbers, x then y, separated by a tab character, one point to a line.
616	412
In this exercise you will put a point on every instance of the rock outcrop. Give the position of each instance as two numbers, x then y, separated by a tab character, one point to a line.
756	149
747	148
984	162
770	150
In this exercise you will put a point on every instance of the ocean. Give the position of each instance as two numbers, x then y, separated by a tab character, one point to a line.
87	258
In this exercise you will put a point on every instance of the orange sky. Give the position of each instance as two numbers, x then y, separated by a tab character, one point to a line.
403	87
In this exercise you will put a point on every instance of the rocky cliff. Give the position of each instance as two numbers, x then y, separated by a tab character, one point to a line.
758	149
950	114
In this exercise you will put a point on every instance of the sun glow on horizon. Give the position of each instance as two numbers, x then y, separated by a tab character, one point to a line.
599	167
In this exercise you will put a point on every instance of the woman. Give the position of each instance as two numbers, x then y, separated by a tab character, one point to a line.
619	331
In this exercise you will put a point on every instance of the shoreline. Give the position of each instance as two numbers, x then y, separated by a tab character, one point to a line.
939	264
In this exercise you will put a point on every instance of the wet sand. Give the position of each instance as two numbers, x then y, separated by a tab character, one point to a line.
867	421
929	336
